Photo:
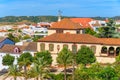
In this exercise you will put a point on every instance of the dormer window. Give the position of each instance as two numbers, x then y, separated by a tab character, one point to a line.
16	50
59	31
78	31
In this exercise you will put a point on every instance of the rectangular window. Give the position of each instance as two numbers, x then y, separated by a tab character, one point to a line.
42	47
59	31
78	31
51	47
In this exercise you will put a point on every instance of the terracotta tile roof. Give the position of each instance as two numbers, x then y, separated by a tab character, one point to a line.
117	21
106	20
97	24
3	31
66	24
71	38
10	49
32	46
110	41
83	21
2	39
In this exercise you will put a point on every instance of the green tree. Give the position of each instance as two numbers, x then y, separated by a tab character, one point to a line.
15	39
46	55
26	37
116	66
36	38
94	70
90	31
107	73
8	60
14	71
108	31
81	73
85	56
25	60
64	58
40	68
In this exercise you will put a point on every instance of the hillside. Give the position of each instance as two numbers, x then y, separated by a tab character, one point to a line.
35	19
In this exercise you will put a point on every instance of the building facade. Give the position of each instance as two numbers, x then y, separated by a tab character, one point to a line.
105	49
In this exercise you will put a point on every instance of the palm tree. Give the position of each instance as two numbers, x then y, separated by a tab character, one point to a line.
14	71
24	60
64	58
34	72
40	68
25	64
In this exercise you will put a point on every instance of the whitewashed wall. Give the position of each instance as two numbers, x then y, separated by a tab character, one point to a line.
3	54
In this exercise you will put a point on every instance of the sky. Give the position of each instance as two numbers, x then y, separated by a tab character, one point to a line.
78	8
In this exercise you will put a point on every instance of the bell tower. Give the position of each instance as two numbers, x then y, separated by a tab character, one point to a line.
59	15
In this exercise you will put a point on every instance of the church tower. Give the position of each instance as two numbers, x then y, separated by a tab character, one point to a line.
59	15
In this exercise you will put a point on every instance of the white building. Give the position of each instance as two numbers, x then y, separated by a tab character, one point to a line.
33	30
16	51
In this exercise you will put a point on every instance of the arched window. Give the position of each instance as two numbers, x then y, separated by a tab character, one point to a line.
82	46
51	47
117	51
111	50
16	50
65	45
42	47
104	50
93	48
74	48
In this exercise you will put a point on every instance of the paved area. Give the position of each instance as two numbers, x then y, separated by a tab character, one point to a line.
11	78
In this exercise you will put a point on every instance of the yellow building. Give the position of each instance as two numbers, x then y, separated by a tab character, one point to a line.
105	49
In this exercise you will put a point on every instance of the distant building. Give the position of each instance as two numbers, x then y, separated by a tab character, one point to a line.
96	24
89	23
4	41
34	30
117	22
43	24
66	26
31	48
13	50
17	50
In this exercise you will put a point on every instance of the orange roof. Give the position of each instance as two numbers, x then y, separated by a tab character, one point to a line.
110	41
106	20
71	38
3	31
25	27
83	21
66	24
96	24
7	48
117	21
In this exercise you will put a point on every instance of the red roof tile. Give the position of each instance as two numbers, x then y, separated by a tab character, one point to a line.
83	21
10	49
110	41
71	38
66	24
97	24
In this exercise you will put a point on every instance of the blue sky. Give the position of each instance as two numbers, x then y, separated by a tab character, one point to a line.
79	8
